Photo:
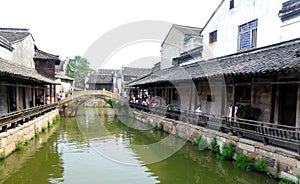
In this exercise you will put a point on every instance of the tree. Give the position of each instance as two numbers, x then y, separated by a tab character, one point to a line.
78	68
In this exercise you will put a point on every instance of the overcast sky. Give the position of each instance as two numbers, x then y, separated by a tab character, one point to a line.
69	27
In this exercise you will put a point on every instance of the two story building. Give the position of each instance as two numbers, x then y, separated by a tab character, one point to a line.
249	58
26	73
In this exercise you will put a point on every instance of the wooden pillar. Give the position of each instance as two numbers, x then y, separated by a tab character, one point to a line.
51	94
273	99
196	95
54	93
33	96
233	98
44	94
17	98
191	94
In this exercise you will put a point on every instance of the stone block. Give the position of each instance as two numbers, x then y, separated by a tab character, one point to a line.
265	147
2	142
245	147
270	162
284	167
9	140
9	148
253	155
296	171
287	160
288	176
265	153
223	139
4	135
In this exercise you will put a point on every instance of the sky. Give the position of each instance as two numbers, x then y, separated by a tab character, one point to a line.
69	28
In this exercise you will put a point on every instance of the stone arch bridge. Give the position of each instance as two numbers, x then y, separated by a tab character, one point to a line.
68	107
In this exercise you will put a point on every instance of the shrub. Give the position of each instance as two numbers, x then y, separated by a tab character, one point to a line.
202	143
196	142
44	129
261	165
159	127
2	156
286	181
228	151
19	145
214	145
244	162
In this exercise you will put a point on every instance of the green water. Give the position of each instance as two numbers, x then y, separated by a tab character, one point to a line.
95	148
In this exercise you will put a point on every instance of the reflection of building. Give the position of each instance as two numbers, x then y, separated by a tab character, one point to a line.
26	73
250	57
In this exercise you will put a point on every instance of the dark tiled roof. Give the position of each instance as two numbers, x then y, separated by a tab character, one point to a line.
273	58
5	43
13	34
109	71
10	69
136	72
100	78
290	9
187	29
41	55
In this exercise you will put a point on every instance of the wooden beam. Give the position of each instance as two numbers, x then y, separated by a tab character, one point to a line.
33	96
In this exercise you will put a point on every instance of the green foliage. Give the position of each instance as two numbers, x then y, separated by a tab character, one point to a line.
228	151
197	141
44	129
78	68
248	112
109	102
261	165
159	127
244	162
286	181
50	126
202	143
2	156
56	119
113	104
214	146
19	145
26	142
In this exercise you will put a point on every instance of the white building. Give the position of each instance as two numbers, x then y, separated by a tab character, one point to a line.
240	25
179	39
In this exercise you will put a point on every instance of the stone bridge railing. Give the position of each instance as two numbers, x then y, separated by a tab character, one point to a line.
70	105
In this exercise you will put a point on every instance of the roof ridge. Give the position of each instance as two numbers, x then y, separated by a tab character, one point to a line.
14	29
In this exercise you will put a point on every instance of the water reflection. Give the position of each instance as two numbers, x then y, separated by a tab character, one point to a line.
70	157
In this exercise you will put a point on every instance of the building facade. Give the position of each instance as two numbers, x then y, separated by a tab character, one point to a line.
22	86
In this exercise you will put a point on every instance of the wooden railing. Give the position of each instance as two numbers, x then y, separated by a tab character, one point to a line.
270	134
11	120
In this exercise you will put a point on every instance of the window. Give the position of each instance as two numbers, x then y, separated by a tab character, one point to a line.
247	35
243	90
231	4
213	36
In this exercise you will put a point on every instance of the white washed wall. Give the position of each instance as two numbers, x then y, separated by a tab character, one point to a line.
270	28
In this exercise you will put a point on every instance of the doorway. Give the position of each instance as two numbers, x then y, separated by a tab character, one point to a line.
287	104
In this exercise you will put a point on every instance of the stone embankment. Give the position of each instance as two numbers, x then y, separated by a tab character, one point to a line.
280	162
19	135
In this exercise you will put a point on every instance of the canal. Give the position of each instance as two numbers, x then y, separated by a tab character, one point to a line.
95	147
